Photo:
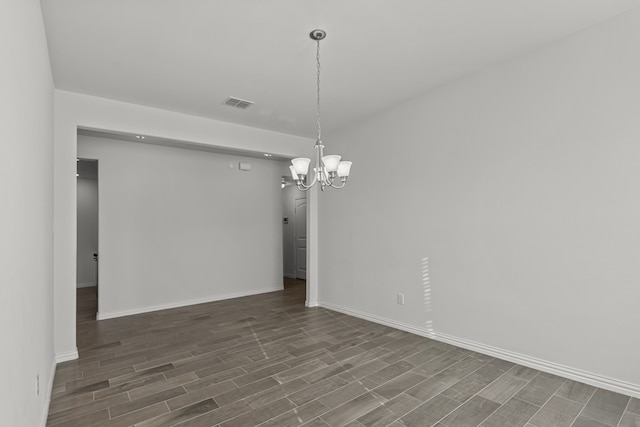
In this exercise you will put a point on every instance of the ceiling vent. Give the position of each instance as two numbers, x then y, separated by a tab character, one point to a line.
243	104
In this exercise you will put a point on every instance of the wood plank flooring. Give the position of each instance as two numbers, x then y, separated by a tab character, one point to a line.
267	360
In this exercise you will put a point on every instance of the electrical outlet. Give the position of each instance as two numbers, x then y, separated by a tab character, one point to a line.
38	384
400	299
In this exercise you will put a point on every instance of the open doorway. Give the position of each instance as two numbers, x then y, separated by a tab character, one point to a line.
87	240
67	335
294	236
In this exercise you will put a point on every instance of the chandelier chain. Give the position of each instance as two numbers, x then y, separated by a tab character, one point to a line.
318	90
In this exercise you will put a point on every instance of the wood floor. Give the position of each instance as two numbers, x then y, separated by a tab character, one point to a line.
267	360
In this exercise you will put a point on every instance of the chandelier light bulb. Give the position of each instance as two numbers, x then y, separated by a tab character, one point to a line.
294	175
301	165
331	162
344	167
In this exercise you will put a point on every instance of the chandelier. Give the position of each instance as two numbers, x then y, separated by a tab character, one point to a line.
327	169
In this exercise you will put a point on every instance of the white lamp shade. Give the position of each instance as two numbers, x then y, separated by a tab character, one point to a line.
294	175
301	165
331	162
344	167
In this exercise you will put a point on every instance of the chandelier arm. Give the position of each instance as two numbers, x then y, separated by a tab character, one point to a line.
339	186
315	179
328	179
303	187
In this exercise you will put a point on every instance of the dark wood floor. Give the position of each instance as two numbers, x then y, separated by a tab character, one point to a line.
267	360
86	305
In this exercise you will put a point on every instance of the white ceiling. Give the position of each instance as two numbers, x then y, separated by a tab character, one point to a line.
188	55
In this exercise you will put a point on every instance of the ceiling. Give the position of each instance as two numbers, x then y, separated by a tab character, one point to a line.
189	55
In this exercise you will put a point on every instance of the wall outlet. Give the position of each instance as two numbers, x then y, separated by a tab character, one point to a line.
400	299
38	384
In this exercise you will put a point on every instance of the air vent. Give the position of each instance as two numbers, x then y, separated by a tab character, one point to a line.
243	104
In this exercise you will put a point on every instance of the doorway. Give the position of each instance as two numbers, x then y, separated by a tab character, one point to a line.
294	235
87	240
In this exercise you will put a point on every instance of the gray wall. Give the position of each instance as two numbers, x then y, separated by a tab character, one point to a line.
180	226
26	216
509	213
86	268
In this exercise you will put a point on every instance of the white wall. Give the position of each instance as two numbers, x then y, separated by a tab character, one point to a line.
506	207
180	226
73	110
26	216
86	267
289	195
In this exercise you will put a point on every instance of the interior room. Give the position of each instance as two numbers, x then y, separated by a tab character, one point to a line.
363	213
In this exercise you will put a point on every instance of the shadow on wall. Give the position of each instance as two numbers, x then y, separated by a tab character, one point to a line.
426	286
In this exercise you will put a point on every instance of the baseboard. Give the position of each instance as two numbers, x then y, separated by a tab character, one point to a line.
66	356
47	397
579	375
87	285
142	310
532	362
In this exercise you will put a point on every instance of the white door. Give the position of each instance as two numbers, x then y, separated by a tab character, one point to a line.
300	236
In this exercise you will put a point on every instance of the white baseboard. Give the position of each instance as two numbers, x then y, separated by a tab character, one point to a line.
595	380
141	310
87	285
66	356
47	396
